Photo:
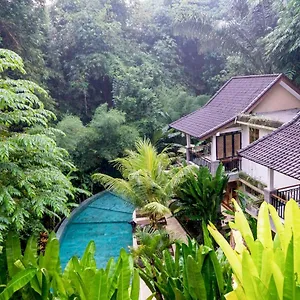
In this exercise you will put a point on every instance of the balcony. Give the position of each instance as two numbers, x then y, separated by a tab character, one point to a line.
281	196
232	164
200	156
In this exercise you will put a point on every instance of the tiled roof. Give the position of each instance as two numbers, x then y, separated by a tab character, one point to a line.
279	150
236	96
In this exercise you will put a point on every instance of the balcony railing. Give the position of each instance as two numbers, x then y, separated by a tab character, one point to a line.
200	155
279	205
203	161
232	164
289	192
283	195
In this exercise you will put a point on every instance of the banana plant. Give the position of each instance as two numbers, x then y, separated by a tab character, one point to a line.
195	272
32	276
199	198
265	267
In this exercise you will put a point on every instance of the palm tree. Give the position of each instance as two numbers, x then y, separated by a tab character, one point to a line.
148	176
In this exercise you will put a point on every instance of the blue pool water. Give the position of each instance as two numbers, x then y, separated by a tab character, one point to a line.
104	218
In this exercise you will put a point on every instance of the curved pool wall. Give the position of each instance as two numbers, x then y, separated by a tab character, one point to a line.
102	218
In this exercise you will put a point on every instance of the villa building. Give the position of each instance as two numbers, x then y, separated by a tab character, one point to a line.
252	126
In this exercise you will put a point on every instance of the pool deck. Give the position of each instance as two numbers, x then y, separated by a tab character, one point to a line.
175	229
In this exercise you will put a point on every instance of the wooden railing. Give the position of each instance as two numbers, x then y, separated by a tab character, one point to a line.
232	164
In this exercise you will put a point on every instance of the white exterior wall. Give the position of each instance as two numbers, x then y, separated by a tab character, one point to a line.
258	171
245	136
281	180
255	170
278	98
230	129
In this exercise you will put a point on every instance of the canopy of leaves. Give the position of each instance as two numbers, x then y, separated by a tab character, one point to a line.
32	167
105	138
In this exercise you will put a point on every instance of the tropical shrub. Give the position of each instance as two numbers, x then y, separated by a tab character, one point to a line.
266	267
32	276
200	196
151	242
195	272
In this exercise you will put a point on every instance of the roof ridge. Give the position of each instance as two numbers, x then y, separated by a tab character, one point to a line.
285	125
256	75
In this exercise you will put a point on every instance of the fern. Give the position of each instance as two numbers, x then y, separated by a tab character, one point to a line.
33	180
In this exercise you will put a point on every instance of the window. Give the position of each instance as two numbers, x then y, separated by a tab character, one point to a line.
228	144
253	134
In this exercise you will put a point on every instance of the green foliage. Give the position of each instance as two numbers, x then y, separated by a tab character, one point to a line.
156	211
99	58
195	272
178	102
38	276
266	267
23	30
32	167
234	29
148	176
105	138
282	43
201	194
151	242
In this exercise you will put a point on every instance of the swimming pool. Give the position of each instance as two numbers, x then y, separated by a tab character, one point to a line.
104	219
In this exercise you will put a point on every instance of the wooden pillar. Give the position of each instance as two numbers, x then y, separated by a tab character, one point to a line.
188	146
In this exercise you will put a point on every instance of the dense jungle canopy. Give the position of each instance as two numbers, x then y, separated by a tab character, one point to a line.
116	70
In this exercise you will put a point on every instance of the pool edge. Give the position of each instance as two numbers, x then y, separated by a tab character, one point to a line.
63	225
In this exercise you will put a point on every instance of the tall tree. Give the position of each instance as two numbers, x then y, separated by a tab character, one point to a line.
23	29
32	167
283	43
235	30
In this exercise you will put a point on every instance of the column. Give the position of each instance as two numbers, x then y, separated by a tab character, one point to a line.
188	146
270	188
213	148
270	179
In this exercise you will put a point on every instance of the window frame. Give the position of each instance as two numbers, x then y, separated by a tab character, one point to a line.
223	136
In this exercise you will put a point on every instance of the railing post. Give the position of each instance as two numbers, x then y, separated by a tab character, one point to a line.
267	194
